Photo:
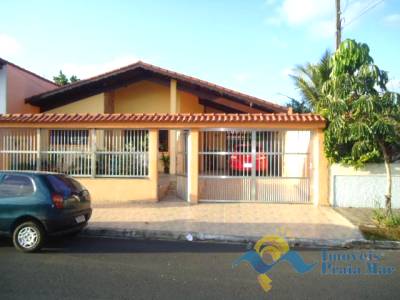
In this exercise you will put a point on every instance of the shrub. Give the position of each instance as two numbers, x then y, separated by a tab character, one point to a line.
392	220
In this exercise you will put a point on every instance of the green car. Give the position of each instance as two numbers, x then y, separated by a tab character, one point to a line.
34	205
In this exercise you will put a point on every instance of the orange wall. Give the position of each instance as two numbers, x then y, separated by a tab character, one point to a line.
21	85
189	103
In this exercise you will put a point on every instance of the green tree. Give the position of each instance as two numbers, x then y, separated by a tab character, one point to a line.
309	80
73	79
298	106
62	79
363	115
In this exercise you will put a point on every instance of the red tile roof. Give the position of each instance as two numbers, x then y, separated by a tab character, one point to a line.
222	91
158	117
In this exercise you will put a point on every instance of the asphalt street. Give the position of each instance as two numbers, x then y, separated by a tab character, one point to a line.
96	268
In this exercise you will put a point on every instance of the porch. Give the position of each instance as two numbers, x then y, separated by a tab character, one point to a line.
267	158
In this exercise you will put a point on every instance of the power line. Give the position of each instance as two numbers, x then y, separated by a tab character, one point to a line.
367	9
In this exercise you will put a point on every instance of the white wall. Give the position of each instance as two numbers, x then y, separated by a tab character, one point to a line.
297	144
363	188
3	89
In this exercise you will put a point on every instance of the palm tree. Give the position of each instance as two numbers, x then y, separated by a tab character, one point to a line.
300	107
309	80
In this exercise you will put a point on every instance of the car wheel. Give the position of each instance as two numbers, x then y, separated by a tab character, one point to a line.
28	237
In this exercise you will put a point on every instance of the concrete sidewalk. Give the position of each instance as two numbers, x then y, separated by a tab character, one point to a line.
223	221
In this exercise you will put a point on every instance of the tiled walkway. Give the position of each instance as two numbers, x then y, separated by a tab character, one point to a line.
241	219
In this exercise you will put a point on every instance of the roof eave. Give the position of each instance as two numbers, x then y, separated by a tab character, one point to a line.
40	99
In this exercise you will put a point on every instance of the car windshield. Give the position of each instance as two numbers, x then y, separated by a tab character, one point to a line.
64	185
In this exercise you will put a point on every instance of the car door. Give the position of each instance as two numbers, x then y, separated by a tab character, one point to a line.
16	192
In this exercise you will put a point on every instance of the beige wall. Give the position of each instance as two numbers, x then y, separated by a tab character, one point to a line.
142	97
193	168
21	85
320	170
93	104
109	190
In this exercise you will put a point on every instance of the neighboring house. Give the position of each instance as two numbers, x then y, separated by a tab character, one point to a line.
223	145
17	84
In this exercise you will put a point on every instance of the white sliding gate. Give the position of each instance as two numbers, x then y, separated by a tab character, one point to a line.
255	165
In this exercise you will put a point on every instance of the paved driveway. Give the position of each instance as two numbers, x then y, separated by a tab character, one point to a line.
239	219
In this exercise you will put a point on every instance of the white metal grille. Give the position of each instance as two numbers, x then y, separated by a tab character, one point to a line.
77	152
66	151
254	165
18	149
122	153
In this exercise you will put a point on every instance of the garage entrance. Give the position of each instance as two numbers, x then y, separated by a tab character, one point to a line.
253	165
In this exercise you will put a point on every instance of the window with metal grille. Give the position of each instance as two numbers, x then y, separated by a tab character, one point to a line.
66	151
69	137
18	149
76	152
122	153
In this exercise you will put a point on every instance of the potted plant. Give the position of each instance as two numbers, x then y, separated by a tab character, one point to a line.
165	160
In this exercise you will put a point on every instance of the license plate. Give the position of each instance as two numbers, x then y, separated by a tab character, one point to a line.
247	165
80	219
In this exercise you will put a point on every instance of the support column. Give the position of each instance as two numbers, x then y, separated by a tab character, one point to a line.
93	149
38	149
193	166
153	163
109	102
3	160
320	171
173	108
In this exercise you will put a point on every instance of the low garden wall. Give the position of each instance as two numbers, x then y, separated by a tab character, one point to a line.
364	187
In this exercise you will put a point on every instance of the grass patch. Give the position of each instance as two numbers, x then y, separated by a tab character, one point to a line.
382	220
381	233
386	227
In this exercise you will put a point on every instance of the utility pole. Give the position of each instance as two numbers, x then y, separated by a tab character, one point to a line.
338	25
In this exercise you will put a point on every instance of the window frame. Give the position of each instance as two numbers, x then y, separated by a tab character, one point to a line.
34	188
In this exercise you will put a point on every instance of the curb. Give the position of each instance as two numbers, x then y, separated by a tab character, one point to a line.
294	243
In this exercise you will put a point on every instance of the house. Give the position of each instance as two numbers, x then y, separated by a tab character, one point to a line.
110	130
17	84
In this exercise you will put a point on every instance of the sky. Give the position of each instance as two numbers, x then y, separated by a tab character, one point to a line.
250	46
